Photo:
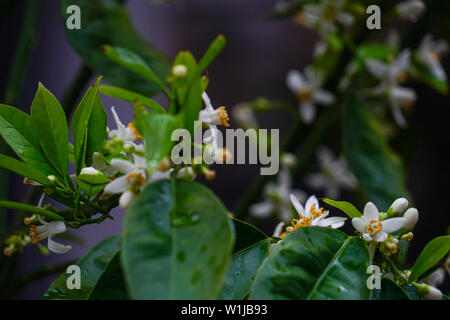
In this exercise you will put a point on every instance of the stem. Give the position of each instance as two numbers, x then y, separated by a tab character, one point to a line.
29	208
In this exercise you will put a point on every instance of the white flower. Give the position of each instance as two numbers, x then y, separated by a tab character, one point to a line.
372	228
313	215
430	54
89	171
49	230
325	15
432	294
333	174
277	195
122	133
308	91
391	75
412	216
212	118
411	9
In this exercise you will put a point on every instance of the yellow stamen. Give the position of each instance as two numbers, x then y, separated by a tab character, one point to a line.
136	180
135	132
374	227
401	77
223	115
304	95
34	235
317	213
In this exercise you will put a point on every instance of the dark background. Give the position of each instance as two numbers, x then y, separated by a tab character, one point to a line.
258	55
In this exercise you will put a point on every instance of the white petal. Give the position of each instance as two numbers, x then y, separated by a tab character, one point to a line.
367	237
323	97
262	209
118	185
297	205
278	230
359	224
56	247
377	68
122	165
345	18
398	116
307	112
56	227
380	237
335	222
295	81
126	198
312	200
370	212
393	224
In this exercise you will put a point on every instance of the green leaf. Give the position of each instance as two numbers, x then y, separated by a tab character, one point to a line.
92	266
242	269
17	130
24	170
108	23
348	208
111	284
176	242
213	51
156	129
389	291
84	133
380	172
131	96
247	235
314	263
134	63
17	206
50	127
434	251
92	184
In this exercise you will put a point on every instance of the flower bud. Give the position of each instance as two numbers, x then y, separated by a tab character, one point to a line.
399	205
288	160
186	172
430	293
52	178
412	216
179	71
29	220
89	171
126	198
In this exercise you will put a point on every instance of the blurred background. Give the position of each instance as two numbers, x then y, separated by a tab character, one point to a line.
258	55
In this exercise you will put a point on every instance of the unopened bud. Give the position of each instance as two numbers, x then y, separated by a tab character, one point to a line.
288	160
126	198
428	292
399	205
209	174
52	178
89	171
29	220
179	71
407	237
412	216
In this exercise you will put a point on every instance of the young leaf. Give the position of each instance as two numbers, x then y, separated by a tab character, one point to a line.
131	96
213	51
108	23
17	206
434	251
380	172
92	265
50	128
92	184
348	208
24	170
176	242
82	131
17	130
242	269
111	284
134	63
314	263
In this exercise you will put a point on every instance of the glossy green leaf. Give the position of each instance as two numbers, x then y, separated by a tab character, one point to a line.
111	284
50	128
17	130
97	130
134	63
24	170
434	251
247	235
108	23
213	51
92	266
242	269
176	242
92	184
348	208
389	291
380	172
314	263
19	207
82	131
131	96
